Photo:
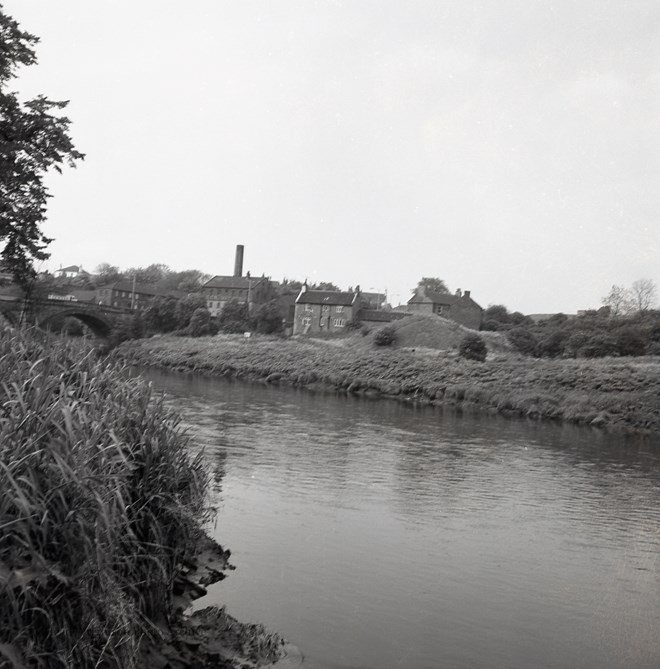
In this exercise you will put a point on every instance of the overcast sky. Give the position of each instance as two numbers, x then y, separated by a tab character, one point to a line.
509	147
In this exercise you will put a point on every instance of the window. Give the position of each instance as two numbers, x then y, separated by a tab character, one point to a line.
325	307
309	307
339	310
306	321
339	322
439	308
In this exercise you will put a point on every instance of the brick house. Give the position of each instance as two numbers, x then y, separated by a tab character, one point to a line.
246	289
124	294
324	311
459	307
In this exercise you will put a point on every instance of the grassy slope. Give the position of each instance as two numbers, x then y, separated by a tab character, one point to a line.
623	392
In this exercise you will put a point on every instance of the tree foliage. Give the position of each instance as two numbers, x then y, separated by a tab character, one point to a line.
433	284
267	318
34	139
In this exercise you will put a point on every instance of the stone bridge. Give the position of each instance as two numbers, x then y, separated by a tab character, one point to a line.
100	318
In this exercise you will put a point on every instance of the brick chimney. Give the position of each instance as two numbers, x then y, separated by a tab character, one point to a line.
238	263
466	293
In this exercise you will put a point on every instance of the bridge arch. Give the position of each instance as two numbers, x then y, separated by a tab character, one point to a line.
97	323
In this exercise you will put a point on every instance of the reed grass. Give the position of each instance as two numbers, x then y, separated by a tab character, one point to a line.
100	506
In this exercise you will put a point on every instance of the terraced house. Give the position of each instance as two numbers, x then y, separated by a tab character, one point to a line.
324	311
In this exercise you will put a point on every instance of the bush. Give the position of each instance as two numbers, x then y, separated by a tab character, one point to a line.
201	324
101	507
629	341
473	347
353	325
598	346
386	336
522	341
552	346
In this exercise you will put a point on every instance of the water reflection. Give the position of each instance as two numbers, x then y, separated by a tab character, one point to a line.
390	535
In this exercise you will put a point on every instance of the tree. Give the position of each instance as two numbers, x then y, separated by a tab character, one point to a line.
235	317
201	324
325	285
106	273
267	318
161	315
33	140
186	307
618	300
432	284
151	275
643	294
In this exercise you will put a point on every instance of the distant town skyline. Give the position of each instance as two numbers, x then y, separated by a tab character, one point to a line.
511	149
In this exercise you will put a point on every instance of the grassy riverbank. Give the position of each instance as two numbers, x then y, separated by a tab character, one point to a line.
102	512
617	392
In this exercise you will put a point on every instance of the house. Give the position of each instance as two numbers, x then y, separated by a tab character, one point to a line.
127	295
246	289
324	311
70	272
459	307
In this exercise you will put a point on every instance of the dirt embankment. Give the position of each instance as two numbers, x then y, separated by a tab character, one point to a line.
617	392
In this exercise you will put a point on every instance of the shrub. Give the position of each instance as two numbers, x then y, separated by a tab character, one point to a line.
201	323
629	341
552	346
386	336
598	346
353	325
473	347
101	507
522	341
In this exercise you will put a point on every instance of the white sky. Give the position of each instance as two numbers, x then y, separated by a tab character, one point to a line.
509	147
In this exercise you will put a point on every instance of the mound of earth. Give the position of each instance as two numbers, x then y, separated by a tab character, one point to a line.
438	333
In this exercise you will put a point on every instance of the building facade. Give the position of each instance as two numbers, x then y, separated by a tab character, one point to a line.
460	307
244	289
324	311
128	296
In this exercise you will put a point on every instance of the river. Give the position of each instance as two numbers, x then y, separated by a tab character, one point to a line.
380	535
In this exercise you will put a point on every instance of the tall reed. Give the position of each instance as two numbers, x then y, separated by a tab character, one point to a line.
100	506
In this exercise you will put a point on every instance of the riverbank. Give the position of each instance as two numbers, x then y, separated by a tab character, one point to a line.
102	522
621	393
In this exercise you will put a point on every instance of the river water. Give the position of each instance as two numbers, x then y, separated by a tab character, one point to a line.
384	535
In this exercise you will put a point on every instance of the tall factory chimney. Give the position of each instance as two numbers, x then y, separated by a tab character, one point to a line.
238	264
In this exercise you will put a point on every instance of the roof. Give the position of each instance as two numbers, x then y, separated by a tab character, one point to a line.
142	288
326	297
70	268
381	316
245	282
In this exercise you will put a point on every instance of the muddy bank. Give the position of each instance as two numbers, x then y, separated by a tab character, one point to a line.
621	393
210	637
